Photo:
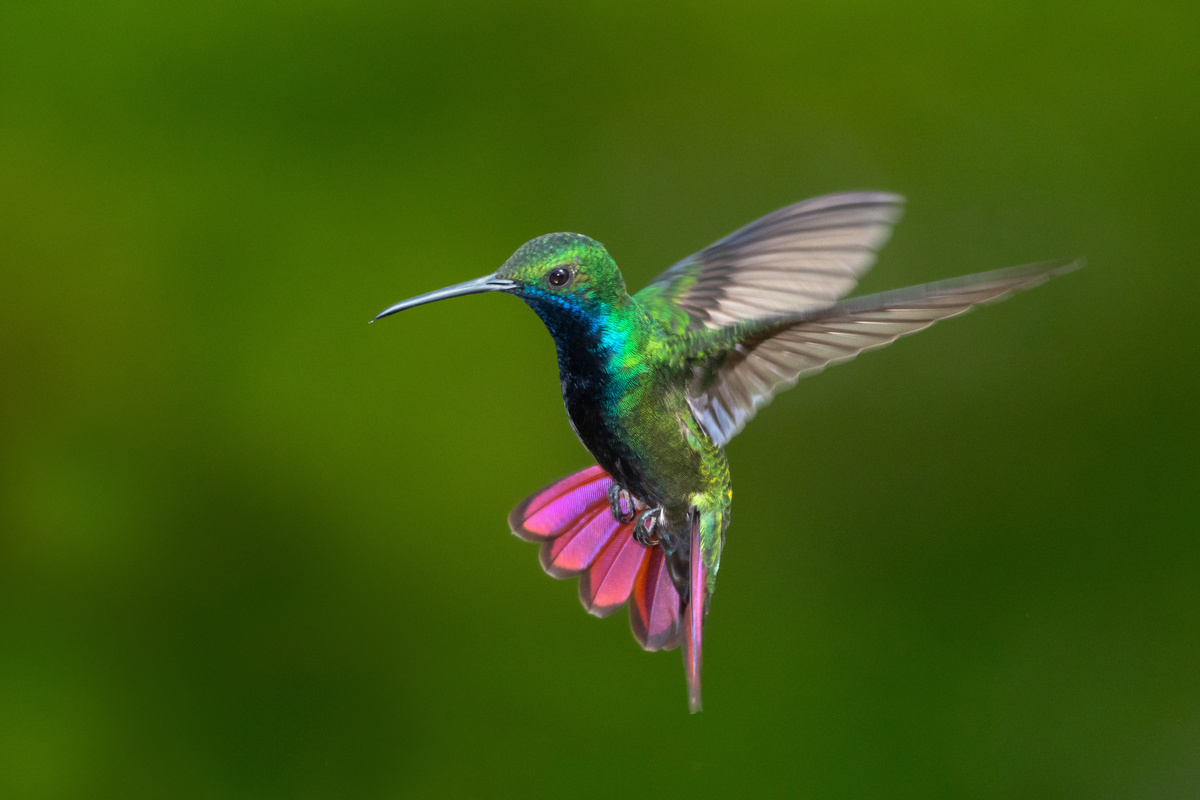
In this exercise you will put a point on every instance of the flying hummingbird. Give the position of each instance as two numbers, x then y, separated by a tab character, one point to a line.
657	383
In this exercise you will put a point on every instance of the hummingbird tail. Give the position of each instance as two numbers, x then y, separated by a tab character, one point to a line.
694	621
573	521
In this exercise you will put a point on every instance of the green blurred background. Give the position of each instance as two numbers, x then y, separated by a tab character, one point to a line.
251	547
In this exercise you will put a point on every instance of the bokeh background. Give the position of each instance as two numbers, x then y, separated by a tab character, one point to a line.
251	547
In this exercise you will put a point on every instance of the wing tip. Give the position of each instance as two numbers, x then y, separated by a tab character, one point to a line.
1026	276
1067	266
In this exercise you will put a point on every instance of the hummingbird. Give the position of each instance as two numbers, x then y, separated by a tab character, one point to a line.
658	382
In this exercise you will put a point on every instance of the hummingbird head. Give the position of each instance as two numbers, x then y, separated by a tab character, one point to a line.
565	274
562	276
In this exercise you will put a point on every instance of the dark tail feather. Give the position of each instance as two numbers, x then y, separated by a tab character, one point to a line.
579	536
694	622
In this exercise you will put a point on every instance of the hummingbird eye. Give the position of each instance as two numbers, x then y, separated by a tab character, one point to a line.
559	277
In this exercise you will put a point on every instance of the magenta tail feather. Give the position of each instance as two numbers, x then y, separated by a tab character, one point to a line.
607	584
577	548
654	615
694	622
579	536
548	513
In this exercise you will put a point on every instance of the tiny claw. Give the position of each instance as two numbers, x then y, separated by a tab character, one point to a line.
645	530
619	500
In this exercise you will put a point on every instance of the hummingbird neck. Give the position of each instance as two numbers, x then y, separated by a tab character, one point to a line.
573	323
588	339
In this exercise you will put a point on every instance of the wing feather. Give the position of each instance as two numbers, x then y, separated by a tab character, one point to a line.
758	360
797	259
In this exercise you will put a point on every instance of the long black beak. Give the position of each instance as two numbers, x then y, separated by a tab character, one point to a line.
488	283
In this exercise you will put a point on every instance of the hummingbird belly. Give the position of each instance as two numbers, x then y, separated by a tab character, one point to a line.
652	445
626	400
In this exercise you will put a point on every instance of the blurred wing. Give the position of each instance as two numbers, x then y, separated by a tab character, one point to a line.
736	379
799	258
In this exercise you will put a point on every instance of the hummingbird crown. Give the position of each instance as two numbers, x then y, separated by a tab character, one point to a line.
565	272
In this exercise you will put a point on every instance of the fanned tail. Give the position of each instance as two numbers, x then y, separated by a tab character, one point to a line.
579	536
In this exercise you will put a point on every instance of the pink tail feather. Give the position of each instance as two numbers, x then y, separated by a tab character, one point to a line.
694	622
654	615
579	536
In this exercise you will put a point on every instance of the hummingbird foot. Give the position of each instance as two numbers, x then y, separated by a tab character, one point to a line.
645	530
619	500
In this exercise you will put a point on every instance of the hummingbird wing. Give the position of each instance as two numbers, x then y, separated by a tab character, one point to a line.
738	369
796	259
